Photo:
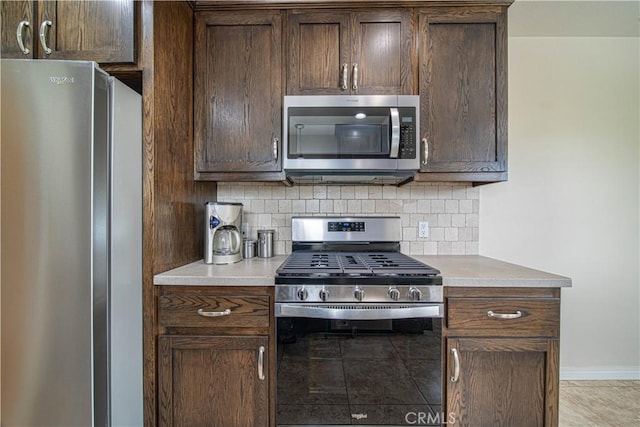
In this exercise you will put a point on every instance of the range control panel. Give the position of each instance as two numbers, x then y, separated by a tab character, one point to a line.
346	226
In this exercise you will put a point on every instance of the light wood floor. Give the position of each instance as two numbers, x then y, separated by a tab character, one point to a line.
599	403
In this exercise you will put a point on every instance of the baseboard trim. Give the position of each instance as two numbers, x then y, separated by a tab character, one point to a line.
568	373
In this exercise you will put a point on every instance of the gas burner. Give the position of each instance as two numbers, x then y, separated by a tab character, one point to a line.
319	264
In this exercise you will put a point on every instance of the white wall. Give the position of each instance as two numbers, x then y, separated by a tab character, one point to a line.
571	205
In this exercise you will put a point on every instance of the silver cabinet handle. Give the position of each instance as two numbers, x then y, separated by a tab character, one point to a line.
515	315
345	77
275	142
203	313
19	32
43	36
456	366
355	76
425	151
261	363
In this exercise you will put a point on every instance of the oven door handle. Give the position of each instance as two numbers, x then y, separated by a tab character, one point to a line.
395	133
366	312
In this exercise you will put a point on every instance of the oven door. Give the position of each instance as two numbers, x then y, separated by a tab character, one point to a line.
358	364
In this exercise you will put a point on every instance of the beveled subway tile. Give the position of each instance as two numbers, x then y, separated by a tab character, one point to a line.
452	206
414	202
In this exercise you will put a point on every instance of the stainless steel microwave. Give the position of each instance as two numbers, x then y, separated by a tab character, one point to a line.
336	139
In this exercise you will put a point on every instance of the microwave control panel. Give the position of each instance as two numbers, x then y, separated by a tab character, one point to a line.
407	134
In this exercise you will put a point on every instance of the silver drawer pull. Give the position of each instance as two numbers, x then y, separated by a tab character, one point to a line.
203	313
515	315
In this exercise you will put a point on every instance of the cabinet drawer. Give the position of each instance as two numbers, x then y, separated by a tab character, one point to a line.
184	310
505	316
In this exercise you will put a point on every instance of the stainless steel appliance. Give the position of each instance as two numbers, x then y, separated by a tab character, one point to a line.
71	246
335	139
223	239
359	327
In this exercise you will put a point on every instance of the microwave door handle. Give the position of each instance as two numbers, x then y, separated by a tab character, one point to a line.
395	133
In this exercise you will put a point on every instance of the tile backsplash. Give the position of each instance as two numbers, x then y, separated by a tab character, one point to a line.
451	209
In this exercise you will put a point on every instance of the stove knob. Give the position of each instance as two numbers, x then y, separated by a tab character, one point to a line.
358	293
324	294
415	294
302	294
394	293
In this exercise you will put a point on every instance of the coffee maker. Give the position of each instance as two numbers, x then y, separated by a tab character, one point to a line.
223	240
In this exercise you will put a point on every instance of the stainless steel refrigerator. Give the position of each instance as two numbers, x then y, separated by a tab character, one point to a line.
71	231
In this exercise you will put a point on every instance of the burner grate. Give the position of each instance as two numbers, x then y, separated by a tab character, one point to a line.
316	264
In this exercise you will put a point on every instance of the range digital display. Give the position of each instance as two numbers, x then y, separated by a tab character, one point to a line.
346	226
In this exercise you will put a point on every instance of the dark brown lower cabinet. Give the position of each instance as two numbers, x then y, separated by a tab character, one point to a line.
501	382
501	357
213	380
216	356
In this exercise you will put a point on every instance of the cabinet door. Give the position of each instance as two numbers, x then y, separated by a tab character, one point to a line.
11	14
463	112
350	53
318	57
101	31
501	382
213	381
382	53
238	96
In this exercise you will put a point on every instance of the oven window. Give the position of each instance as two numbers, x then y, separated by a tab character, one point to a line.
374	372
333	133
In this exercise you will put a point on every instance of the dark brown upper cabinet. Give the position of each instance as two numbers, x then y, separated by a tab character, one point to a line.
101	31
340	52
463	94
238	95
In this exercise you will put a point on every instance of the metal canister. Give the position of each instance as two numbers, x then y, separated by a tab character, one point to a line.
265	243
249	247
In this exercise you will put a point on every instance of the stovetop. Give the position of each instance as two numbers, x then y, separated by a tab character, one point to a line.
347	259
353	264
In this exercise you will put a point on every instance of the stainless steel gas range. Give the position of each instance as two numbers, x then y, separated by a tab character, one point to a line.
358	327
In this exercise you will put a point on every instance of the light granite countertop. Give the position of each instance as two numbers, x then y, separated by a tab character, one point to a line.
456	270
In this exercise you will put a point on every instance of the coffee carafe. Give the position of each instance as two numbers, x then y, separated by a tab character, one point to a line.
223	240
